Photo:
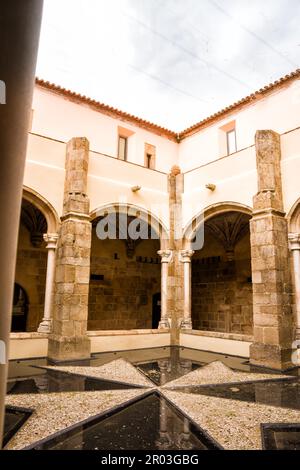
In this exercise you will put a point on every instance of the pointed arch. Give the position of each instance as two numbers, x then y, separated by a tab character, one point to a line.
294	218
131	209
44	206
209	212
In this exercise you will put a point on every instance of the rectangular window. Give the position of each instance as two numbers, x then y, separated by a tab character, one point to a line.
148	160
122	148
231	141
149	156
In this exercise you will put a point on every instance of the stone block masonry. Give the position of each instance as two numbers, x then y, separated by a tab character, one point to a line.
68	340
273	323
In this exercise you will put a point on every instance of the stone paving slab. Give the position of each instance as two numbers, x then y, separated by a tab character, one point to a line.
56	411
218	373
119	371
234	424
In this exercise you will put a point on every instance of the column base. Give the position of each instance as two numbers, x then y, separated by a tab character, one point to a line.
271	356
66	348
164	325
186	325
45	326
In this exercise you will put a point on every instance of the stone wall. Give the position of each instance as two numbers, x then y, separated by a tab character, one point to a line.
220	301
222	289
121	288
31	276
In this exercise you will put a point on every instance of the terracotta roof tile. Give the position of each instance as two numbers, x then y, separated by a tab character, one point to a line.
116	113
241	103
106	109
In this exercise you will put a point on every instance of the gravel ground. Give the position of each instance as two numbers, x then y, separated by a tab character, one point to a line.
118	370
234	424
56	411
218	373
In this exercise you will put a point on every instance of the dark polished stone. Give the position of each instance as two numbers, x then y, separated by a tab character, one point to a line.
281	393
54	382
281	436
13	420
150	423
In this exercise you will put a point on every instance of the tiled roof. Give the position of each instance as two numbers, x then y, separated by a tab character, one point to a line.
239	104
109	110
116	113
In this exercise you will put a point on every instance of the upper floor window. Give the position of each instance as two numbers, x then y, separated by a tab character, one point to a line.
227	139
150	154
125	136
122	148
231	141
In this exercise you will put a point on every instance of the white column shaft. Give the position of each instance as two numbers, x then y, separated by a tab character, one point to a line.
166	257
45	325
185	258
187	312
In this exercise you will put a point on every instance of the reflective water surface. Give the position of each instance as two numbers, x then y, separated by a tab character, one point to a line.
148	424
54	382
282	393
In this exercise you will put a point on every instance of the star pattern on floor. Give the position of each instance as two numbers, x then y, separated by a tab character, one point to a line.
234	424
119	370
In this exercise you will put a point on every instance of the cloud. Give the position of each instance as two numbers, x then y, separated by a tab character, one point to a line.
173	62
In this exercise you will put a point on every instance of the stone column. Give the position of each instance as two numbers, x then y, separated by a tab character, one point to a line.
46	324
185	258
270	261
68	340
294	239
175	273
166	257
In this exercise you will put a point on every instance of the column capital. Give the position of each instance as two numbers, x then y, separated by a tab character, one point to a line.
166	255
185	256
51	240
294	241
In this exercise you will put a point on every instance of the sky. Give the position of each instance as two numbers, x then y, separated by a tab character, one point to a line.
171	62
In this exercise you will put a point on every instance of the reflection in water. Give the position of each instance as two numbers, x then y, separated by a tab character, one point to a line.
168	369
54	382
281	436
148	424
281	393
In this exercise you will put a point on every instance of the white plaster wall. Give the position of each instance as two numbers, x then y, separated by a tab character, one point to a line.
235	178
27	348
279	111
217	345
290	168
128	342
110	181
45	169
59	118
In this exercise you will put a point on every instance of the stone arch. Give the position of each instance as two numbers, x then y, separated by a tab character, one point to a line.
294	218
37	217
125	273
221	281
44	206
143	214
209	212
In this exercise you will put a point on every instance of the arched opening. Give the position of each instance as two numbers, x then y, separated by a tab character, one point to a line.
125	271
20	309
156	310
221	275
31	268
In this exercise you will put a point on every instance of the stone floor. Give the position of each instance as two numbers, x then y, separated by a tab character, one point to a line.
175	398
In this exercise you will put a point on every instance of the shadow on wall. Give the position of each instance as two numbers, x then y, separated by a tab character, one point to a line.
221	277
125	281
